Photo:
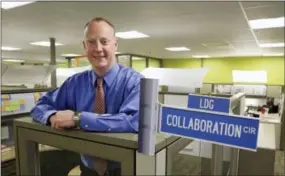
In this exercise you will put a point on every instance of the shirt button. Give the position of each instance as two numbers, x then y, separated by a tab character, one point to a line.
86	126
109	129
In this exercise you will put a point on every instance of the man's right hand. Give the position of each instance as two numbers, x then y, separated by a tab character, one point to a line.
62	119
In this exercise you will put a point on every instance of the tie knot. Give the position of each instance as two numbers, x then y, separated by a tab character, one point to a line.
99	82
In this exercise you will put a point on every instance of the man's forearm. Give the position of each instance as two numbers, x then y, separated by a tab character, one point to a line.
42	113
109	123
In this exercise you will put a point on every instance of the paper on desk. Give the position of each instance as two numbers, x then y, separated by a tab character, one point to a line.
186	78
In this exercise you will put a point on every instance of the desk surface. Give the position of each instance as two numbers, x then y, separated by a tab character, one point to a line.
127	140
267	118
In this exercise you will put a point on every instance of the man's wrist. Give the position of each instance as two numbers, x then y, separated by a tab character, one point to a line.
49	118
76	118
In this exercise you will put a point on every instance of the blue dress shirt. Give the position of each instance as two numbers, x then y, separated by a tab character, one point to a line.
77	93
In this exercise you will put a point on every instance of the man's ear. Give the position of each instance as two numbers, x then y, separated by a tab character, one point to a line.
116	43
83	43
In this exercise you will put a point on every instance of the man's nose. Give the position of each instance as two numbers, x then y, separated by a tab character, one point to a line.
98	47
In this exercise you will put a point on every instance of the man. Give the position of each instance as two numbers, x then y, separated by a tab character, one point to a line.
105	99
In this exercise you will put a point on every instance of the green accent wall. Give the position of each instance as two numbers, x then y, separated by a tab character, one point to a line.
11	63
220	69
138	63
83	63
62	65
181	63
154	63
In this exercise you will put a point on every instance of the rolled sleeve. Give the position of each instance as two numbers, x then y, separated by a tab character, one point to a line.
45	119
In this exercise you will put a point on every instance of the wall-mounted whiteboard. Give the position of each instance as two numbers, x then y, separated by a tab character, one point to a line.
245	76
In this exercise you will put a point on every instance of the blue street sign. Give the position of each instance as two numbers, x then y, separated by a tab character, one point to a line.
230	130
209	103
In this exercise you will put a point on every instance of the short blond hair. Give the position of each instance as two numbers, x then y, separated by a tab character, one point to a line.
99	19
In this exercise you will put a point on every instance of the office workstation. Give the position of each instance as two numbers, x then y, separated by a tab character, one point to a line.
268	139
232	53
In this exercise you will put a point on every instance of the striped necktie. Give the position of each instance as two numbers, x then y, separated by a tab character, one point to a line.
100	165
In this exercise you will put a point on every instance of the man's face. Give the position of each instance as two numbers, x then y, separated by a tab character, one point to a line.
100	45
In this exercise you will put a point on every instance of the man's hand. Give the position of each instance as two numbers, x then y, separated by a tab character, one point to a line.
62	119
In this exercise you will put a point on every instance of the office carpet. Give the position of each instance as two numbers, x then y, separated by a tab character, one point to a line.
190	165
186	165
279	168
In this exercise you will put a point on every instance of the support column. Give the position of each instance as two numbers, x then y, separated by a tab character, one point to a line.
146	62
69	63
202	62
282	136
53	62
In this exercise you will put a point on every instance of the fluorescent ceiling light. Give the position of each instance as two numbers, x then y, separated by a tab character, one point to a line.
177	49
70	55
200	56
117	52
13	60
267	23
10	5
271	45
44	43
131	35
7	48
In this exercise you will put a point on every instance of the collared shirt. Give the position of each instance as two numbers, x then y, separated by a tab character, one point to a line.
77	93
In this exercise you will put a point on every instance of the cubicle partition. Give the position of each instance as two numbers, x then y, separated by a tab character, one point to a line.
121	148
29	142
173	155
14	104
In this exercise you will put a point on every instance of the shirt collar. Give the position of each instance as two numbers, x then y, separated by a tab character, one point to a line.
108	77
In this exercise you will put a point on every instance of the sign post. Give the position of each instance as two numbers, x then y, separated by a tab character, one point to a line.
148	116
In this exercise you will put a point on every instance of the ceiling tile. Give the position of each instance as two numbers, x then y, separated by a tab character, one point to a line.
265	12
270	35
257	4
187	24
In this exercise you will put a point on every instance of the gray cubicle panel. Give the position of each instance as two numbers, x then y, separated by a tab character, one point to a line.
206	89
274	91
120	147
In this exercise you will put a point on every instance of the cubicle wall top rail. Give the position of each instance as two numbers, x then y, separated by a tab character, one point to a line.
138	55
173	93
8	119
24	91
126	140
212	94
